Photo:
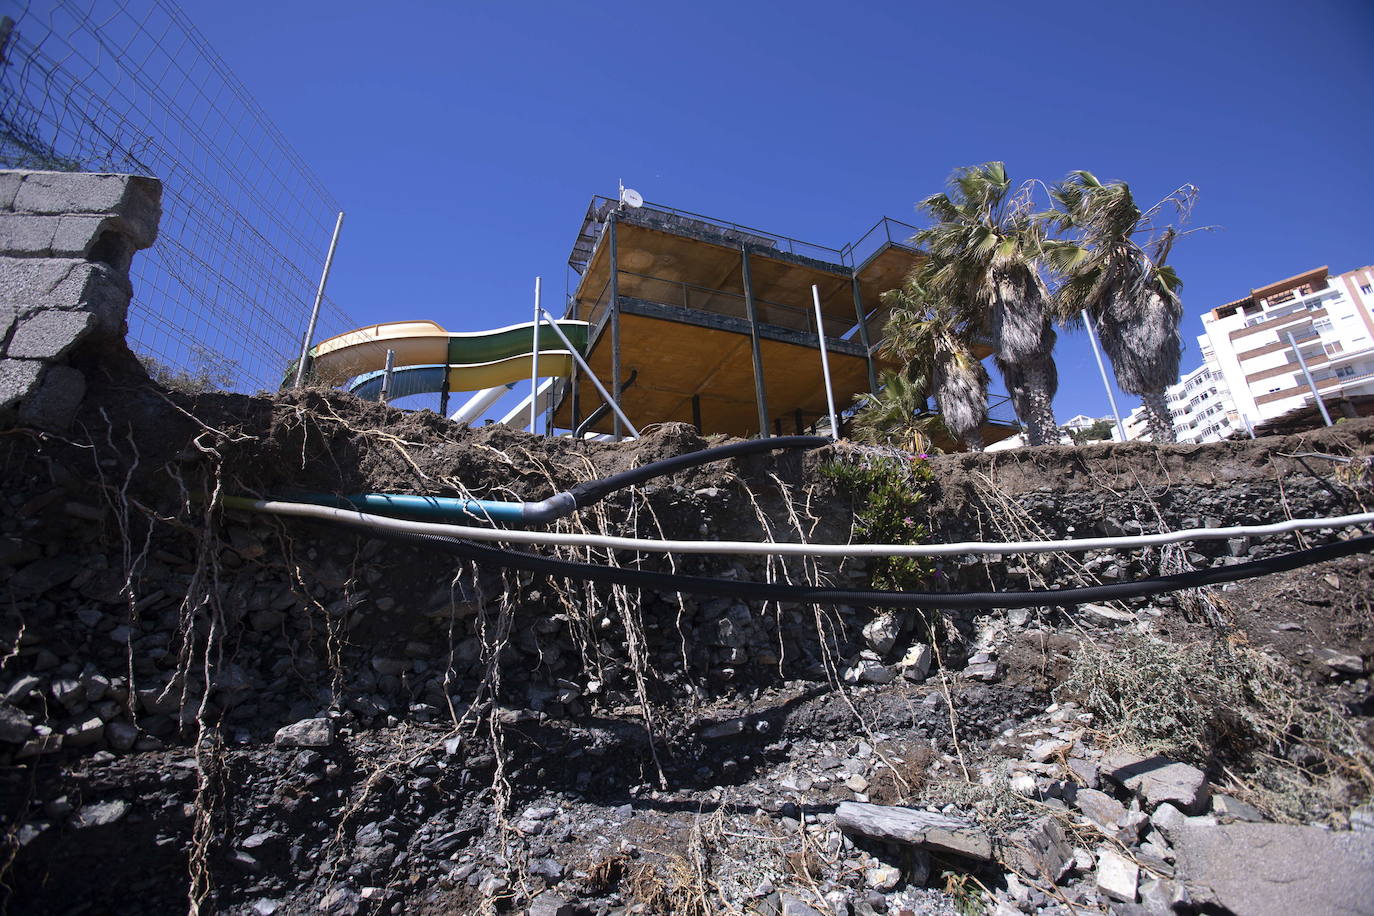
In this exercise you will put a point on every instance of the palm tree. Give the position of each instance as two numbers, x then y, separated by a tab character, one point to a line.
896	414
934	340
985	250
1124	286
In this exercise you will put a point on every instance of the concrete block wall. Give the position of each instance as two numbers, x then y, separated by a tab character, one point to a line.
66	242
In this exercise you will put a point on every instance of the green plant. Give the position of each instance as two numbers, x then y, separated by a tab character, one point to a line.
1097	432
1228	707
206	371
892	490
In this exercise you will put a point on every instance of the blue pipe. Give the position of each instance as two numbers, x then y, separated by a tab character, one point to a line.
445	508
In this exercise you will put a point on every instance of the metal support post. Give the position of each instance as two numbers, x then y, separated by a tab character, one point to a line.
825	363
1102	370
577	358
1326	417
760	394
863	333
696	412
319	298
615	319
386	375
534	365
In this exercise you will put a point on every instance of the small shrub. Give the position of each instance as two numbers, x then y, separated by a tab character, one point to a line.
892	490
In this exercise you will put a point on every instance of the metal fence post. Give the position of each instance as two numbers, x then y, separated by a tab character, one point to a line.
319	298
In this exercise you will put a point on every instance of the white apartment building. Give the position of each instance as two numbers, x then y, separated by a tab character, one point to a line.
1200	404
1250	373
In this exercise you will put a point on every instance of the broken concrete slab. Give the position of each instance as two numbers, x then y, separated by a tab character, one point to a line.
917	828
1276	869
1158	780
52	404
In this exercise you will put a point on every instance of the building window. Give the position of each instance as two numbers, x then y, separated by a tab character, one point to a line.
1345	371
1335	347
1321	325
1366	288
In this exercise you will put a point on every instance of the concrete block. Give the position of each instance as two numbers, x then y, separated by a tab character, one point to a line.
66	283
23	235
9	316
53	404
78	235
135	199
17	378
70	192
49	334
29	282
9	187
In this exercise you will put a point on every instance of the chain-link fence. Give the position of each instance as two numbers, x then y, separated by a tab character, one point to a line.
131	86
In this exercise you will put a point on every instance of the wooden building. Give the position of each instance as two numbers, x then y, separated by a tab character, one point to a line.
701	321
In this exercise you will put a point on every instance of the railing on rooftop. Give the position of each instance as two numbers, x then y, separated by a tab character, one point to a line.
738	232
794	316
886	231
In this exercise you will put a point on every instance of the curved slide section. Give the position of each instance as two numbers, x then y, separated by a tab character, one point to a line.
426	343
461	377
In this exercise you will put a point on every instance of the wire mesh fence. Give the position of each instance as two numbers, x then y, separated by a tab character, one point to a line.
131	86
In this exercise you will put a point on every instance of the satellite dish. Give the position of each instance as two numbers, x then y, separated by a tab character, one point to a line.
631	198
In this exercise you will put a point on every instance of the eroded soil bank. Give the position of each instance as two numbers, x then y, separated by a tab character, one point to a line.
249	714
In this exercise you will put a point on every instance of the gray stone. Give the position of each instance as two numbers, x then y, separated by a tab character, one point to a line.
868	671
1038	849
90	730
1100	808
101	814
53	404
795	906
14	725
881	633
1341	662
49	334
121	735
917	828
306	733
551	903
1229	809
1276	869
1362	818
883	878
1158	780
17	379
341	901
1117	876
915	664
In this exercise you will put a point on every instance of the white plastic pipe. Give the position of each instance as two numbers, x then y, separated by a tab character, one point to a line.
476	405
534	365
651	545
825	363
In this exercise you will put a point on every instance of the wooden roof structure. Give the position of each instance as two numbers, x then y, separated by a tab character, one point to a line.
710	323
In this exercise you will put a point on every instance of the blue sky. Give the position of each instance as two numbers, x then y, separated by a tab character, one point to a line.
464	140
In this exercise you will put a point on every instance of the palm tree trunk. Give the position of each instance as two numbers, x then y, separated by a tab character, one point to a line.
1039	419
1158	420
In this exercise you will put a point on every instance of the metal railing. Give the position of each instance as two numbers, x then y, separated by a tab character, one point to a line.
886	231
704	299
734	232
